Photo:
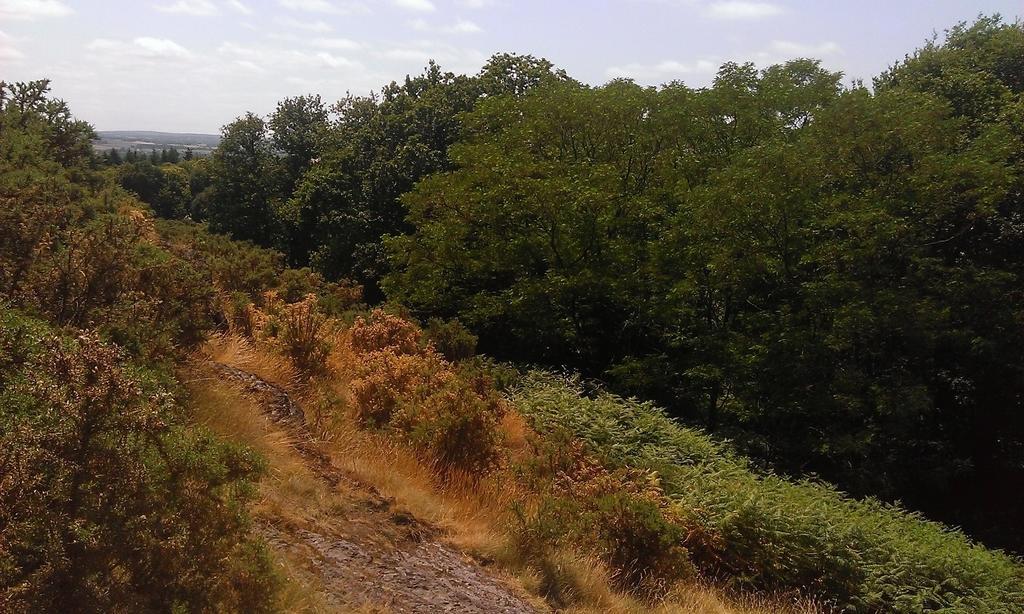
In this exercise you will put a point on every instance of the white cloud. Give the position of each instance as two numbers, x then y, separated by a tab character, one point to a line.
662	71
239	6
333	7
464	26
163	47
200	8
336	43
461	26
313	6
779	51
423	6
741	9
477	4
229	48
311	26
330	60
283	61
451	57
250	65
145	47
33	9
9	53
793	50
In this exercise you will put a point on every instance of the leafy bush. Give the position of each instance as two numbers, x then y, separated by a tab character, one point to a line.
303	335
107	501
621	515
94	263
772	534
385	331
451	339
400	384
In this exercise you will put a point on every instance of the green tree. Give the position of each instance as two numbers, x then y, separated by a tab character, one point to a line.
826	277
245	180
376	150
297	129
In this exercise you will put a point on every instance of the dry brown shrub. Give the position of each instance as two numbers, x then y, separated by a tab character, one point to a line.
400	384
385	331
303	335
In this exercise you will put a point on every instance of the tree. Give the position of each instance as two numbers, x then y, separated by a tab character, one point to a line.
378	148
826	277
297	130
245	180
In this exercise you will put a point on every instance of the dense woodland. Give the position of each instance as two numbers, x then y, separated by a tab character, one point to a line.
827	275
822	278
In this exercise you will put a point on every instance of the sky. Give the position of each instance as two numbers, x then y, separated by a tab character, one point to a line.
194	65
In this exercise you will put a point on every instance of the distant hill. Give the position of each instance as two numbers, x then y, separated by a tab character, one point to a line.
146	140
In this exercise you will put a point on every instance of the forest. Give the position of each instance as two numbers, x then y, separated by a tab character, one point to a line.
794	304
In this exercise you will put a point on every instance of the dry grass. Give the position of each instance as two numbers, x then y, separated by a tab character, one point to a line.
472	511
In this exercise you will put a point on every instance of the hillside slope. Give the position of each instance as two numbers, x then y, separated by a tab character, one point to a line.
359	521
367	551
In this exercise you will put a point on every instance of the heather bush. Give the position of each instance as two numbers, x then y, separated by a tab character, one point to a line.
95	263
384	380
764	532
241	315
400	384
456	424
231	266
108	502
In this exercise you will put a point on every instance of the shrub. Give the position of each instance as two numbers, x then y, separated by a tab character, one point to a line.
451	339
243	318
107	501
89	259
620	515
456	424
385	380
404	386
303	335
384	331
772	534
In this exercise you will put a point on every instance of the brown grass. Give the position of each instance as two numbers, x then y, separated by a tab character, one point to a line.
472	511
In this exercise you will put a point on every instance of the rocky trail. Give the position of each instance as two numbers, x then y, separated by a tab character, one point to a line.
373	555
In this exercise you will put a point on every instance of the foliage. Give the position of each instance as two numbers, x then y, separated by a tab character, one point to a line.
828	276
89	261
245	173
109	501
451	339
323	184
106	500
622	515
399	384
303	334
773	534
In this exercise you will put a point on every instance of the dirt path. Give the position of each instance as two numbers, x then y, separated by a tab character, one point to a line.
374	554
